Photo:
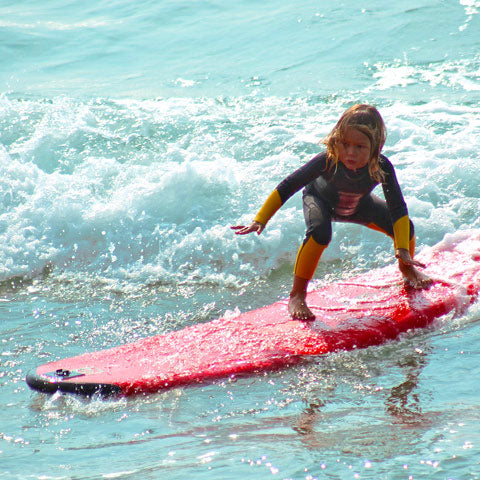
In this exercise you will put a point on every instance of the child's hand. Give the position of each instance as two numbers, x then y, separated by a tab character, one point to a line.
253	227
411	275
404	256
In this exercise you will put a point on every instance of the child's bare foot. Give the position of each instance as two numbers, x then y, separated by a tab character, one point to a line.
415	278
298	308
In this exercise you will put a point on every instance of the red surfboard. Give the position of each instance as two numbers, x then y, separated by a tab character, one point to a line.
366	310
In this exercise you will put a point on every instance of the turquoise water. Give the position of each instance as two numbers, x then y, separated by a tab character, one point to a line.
132	135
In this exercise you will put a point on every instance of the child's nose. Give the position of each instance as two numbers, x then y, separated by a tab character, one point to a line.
350	150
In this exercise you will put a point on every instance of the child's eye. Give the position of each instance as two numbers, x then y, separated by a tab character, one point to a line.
359	147
354	145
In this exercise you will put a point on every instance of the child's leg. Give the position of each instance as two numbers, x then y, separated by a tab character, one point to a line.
307	260
308	257
319	232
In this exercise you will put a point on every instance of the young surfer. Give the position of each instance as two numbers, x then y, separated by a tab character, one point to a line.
338	187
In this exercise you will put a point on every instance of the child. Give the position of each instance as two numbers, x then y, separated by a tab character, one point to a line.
338	185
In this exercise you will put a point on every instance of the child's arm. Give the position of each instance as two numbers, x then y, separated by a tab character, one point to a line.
268	210
285	189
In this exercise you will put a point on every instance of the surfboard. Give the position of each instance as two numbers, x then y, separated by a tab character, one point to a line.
363	311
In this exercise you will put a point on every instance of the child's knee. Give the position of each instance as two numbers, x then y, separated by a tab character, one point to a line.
323	236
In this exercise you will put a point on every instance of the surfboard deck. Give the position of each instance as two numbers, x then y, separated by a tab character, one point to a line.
367	310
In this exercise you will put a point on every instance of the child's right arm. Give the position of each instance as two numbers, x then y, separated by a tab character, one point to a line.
285	189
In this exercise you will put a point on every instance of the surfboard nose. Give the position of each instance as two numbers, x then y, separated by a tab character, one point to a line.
56	381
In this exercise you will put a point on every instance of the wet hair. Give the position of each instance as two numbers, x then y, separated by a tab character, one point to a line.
367	120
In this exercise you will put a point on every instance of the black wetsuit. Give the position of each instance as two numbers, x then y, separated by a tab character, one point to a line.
345	195
341	194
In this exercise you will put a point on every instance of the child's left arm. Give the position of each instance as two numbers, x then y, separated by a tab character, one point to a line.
404	256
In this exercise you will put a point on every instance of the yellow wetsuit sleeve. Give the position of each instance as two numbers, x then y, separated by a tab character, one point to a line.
271	205
401	232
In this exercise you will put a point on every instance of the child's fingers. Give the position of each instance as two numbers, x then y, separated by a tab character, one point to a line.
242	229
418	264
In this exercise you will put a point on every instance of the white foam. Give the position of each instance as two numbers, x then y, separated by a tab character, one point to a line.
137	192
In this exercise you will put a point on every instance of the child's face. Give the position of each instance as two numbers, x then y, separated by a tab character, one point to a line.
354	149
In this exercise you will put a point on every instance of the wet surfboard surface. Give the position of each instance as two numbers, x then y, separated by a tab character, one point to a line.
366	310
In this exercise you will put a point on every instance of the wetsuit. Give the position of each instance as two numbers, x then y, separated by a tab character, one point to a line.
340	194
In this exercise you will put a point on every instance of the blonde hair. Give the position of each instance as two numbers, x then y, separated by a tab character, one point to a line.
367	120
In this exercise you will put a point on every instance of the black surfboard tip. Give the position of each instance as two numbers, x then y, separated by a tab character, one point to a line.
52	382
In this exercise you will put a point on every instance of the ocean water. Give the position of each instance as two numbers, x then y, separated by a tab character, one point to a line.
132	136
